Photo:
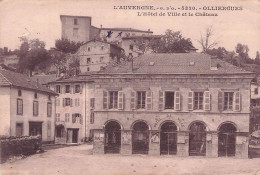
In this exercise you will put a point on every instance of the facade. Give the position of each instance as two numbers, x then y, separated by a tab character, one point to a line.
96	54
27	108
73	109
172	104
255	106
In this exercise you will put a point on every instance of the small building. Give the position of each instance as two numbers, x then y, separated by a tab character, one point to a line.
186	104
73	108
255	106
27	108
96	54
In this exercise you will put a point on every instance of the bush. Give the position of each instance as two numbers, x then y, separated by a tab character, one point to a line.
18	146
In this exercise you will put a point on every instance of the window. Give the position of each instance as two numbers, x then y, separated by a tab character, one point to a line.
101	59
49	97
130	54
35	108
35	95
76	118
92	119
75	32
19	107
198	100
113	98
75	21
77	88
57	102
131	47
102	47
67	102
141	99
92	103
59	132
19	93
57	117
67	89
256	91
58	89
88	60
19	129
48	129
77	102
67	117
228	100
88	69
169	100
49	109
88	48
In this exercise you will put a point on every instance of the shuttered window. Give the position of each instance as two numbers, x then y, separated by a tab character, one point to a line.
105	99
49	109
92	103
120	100
141	98
169	100
149	100
19	107
228	100
92	119
35	108
133	100
198	100
206	101
190	100
57	117
49	129
113	99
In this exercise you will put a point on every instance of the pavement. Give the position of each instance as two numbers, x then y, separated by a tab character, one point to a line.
79	159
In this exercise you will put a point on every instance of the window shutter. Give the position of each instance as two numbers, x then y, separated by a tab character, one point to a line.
190	100
237	101
73	118
73	89
220	101
149	100
63	102
177	101
120	100
133	101
105	99
80	119
161	100
206	101
71	102
78	101
92	103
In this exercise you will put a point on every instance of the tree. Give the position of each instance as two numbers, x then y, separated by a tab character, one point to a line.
67	46
32	53
242	51
257	58
170	42
206	40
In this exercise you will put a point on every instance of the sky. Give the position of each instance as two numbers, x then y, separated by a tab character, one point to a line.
40	19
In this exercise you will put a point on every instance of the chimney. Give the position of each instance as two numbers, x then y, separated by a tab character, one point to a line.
149	30
101	26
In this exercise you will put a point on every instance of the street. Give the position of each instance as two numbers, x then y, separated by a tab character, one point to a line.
79	160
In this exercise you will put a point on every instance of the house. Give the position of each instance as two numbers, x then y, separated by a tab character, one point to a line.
96	54
185	104
27	108
73	108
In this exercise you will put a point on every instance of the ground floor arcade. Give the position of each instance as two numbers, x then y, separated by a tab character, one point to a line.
226	141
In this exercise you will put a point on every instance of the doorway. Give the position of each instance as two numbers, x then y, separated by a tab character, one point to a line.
140	141
72	135
197	139
35	128
227	140
168	139
112	137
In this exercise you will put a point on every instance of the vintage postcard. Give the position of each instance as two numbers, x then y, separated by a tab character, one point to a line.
130	87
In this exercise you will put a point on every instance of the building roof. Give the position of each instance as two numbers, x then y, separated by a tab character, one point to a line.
44	79
145	36
73	79
72	16
127	29
175	63
9	78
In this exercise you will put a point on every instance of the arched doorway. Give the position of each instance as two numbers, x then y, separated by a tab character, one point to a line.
112	137
227	140
168	139
140	138
197	139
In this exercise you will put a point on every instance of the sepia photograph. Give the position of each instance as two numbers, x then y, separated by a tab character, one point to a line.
140	87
